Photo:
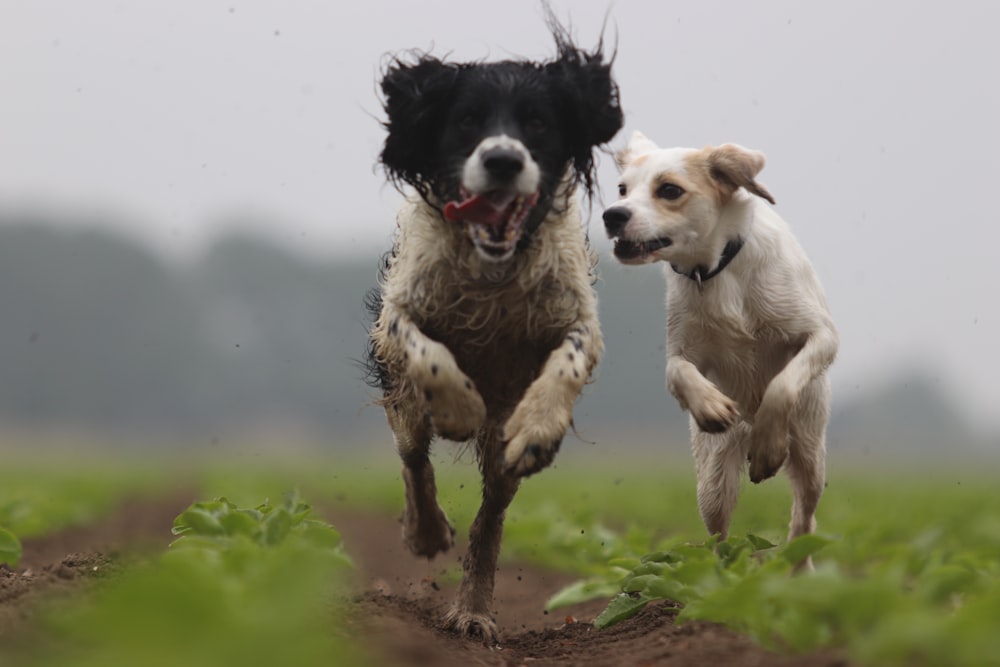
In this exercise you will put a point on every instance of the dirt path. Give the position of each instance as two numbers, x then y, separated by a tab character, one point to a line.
400	600
403	599
63	563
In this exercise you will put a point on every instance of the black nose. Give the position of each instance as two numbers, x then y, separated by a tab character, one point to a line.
615	219
503	164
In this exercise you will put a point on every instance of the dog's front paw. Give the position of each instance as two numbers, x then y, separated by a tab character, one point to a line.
522	459
427	536
715	412
455	408
456	412
768	450
472	625
533	436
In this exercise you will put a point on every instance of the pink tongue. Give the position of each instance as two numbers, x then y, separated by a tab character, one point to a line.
478	209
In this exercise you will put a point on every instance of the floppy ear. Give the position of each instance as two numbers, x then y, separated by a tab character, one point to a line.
638	145
734	167
415	96
587	98
588	93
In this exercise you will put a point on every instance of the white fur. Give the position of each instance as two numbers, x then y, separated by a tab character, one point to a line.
747	350
477	180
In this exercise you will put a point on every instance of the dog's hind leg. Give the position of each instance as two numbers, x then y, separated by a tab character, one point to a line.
769	440
470	614
718	459
426	529
806	463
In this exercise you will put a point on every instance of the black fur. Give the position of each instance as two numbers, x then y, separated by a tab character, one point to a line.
438	112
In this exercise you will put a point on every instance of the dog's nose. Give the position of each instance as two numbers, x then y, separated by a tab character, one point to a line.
615	219
503	164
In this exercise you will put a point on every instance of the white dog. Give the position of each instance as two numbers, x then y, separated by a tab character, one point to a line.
749	335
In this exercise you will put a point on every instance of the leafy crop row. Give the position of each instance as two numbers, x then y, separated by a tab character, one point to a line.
910	575
239	586
908	571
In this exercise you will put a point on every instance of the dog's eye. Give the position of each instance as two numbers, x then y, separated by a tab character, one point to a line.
622	190
536	124
469	121
669	191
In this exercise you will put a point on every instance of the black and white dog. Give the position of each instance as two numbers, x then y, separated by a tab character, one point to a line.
486	321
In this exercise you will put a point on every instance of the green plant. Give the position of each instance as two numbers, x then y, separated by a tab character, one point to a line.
238	586
911	576
219	524
10	548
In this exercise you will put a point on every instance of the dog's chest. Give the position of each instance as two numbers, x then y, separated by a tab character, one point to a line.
724	334
500	335
490	315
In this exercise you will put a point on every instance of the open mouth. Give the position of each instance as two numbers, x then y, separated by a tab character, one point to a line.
626	250
493	218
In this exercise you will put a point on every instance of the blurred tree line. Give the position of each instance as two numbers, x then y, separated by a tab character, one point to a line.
100	332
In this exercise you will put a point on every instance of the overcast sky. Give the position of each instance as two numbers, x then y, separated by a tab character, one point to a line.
879	120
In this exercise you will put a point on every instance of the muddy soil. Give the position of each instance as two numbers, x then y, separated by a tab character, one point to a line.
403	598
399	600
66	562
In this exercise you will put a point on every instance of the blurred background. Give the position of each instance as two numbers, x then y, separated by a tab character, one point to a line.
191	210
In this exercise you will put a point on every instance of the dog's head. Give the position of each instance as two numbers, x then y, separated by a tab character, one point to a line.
489	144
672	200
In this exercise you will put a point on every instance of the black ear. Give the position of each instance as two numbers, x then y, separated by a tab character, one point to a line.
415	96
599	113
588	98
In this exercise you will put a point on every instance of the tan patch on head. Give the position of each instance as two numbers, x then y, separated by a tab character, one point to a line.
699	171
676	178
727	168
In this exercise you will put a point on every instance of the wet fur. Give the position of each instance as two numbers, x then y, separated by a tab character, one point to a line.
466	348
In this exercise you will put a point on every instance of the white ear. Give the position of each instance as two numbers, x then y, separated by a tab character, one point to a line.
638	145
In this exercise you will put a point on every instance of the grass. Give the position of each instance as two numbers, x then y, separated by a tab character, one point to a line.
36	498
908	571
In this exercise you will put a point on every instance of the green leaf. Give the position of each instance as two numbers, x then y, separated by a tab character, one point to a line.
10	548
276	526
198	520
660	557
319	534
622	607
240	523
639	583
803	546
582	591
759	543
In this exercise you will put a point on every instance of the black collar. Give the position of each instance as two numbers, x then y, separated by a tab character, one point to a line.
701	274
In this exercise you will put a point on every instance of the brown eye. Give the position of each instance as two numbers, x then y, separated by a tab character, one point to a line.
622	190
669	191
536	124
